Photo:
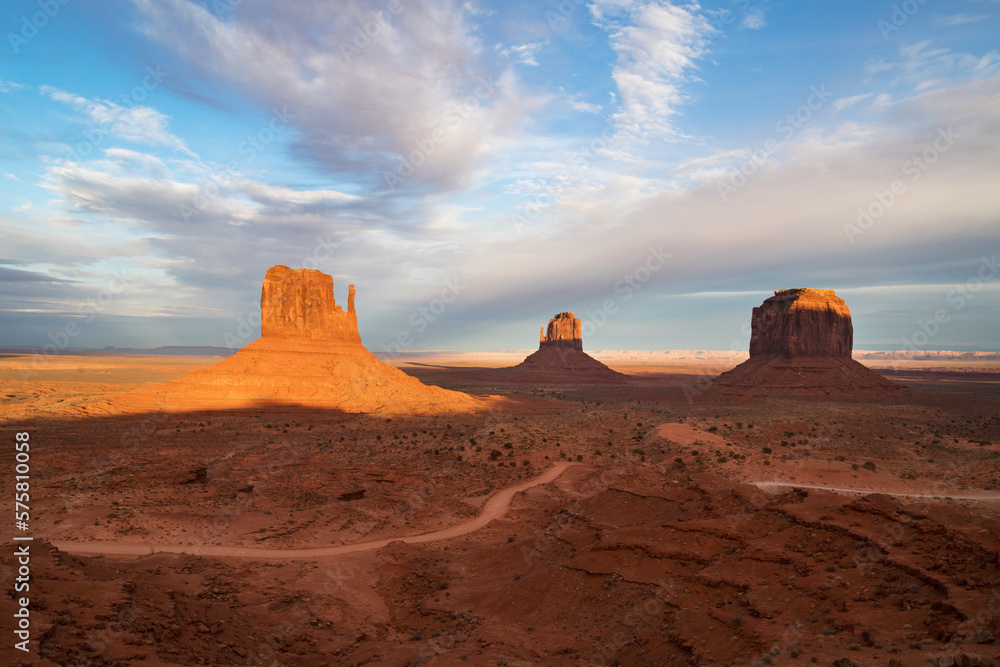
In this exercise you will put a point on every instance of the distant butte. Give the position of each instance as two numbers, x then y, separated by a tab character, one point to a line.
800	343
309	354
564	330
560	359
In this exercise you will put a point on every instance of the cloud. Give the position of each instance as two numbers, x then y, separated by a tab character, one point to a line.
845	102
8	86
657	44
411	97
8	275
919	63
950	20
754	19
585	107
138	124
523	54
783	228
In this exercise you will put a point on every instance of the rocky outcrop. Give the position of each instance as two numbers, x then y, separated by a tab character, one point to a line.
800	344
299	303
802	322
310	354
560	359
564	330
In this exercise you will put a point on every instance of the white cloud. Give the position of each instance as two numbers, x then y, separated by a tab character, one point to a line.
949	20
585	107
523	54
919	63
139	124
416	90
8	86
754	19
657	44
845	102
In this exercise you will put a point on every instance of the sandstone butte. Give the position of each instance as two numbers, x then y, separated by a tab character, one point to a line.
309	354
560	359
800	343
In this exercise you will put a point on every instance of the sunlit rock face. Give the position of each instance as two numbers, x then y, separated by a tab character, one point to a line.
802	322
299	303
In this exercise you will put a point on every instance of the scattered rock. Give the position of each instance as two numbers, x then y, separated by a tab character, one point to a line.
845	662
352	495
198	475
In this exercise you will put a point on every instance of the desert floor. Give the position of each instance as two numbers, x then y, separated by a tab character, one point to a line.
655	524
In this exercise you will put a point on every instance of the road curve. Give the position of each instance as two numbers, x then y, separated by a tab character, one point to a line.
868	491
496	507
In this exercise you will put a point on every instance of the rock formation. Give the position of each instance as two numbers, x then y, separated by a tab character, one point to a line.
560	359
564	330
802	323
800	343
300	304
310	354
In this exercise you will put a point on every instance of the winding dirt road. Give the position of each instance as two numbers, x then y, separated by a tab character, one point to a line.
868	491
496	507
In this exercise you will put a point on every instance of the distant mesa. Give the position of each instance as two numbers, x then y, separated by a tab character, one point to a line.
560	359
802	322
800	343
310	354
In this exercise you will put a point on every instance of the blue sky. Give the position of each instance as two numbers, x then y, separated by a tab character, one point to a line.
474	168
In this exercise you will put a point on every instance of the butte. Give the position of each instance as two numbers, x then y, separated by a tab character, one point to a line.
800	344
309	354
560	359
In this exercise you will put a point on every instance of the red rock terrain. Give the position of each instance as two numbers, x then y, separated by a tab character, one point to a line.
800	344
658	548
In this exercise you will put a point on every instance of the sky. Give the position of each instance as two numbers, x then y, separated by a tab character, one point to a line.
474	168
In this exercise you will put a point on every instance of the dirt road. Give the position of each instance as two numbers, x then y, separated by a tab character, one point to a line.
939	496
496	507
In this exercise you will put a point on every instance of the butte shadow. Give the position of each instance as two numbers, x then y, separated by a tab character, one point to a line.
800	345
560	359
310	355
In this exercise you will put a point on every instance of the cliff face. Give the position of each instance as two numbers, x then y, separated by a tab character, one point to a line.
299	303
802	322
563	331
